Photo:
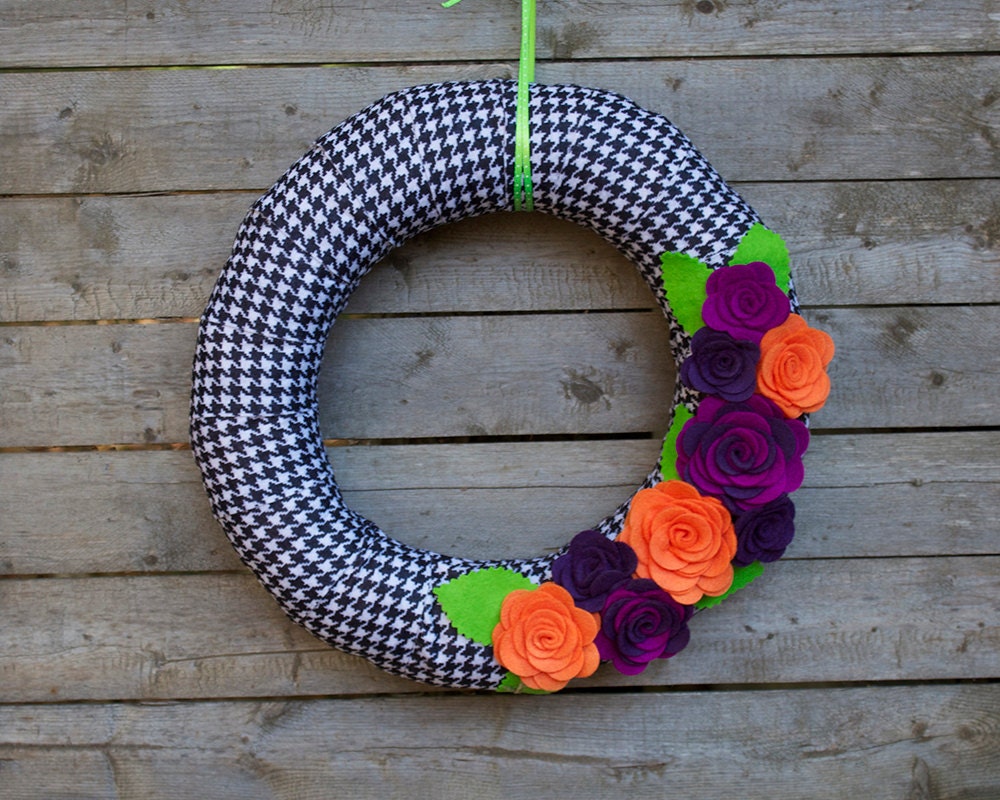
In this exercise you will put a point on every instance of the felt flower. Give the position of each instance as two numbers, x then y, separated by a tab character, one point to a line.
792	368
721	365
591	567
747	454
685	541
744	301
544	639
640	623
762	534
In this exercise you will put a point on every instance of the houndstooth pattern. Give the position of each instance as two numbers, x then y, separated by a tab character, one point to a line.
415	160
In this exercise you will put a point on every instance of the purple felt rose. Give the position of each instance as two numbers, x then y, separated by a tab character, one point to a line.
762	534
641	622
592	567
744	301
746	454
721	365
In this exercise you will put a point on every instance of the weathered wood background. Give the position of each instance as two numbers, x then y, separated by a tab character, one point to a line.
139	659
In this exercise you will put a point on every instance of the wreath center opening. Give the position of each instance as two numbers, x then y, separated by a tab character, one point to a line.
496	385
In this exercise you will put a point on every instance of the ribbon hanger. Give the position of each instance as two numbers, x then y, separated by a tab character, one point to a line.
522	186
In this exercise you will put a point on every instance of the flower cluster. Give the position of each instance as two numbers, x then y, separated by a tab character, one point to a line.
760	368
547	636
722	509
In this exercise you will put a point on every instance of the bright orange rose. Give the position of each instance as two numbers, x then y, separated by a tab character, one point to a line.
544	639
792	367
685	541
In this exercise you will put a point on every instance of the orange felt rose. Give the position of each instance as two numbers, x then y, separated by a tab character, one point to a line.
544	639
792	367
685	541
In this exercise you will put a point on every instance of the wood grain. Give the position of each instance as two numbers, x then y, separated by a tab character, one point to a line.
474	376
132	257
204	129
221	635
115	32
870	496
880	742
131	383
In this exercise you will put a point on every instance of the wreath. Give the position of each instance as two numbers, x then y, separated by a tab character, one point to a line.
712	511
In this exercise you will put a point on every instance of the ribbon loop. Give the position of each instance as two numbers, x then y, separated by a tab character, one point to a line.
523	200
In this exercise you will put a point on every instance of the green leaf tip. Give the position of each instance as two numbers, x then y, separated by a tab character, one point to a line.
684	280
472	601
742	577
511	684
761	244
668	457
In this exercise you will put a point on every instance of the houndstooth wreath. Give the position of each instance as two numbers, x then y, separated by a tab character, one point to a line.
711	512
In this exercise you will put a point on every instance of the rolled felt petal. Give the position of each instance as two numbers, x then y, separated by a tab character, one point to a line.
640	623
593	566
721	365
792	367
744	301
544	639
746	454
762	534
684	541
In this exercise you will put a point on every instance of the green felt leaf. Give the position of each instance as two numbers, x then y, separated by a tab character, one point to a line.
742	577
684	280
668	458
761	244
472	601
514	685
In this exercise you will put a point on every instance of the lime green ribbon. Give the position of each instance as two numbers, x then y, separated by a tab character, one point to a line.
523	200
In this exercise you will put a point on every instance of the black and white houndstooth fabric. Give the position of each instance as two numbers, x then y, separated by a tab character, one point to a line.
417	159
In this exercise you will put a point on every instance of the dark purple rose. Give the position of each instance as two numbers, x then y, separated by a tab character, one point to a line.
762	534
746	454
744	300
641	622
592	567
721	365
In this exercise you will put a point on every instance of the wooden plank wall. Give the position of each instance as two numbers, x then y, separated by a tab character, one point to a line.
499	386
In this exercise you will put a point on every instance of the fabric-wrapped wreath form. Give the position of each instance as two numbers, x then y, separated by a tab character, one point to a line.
709	514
